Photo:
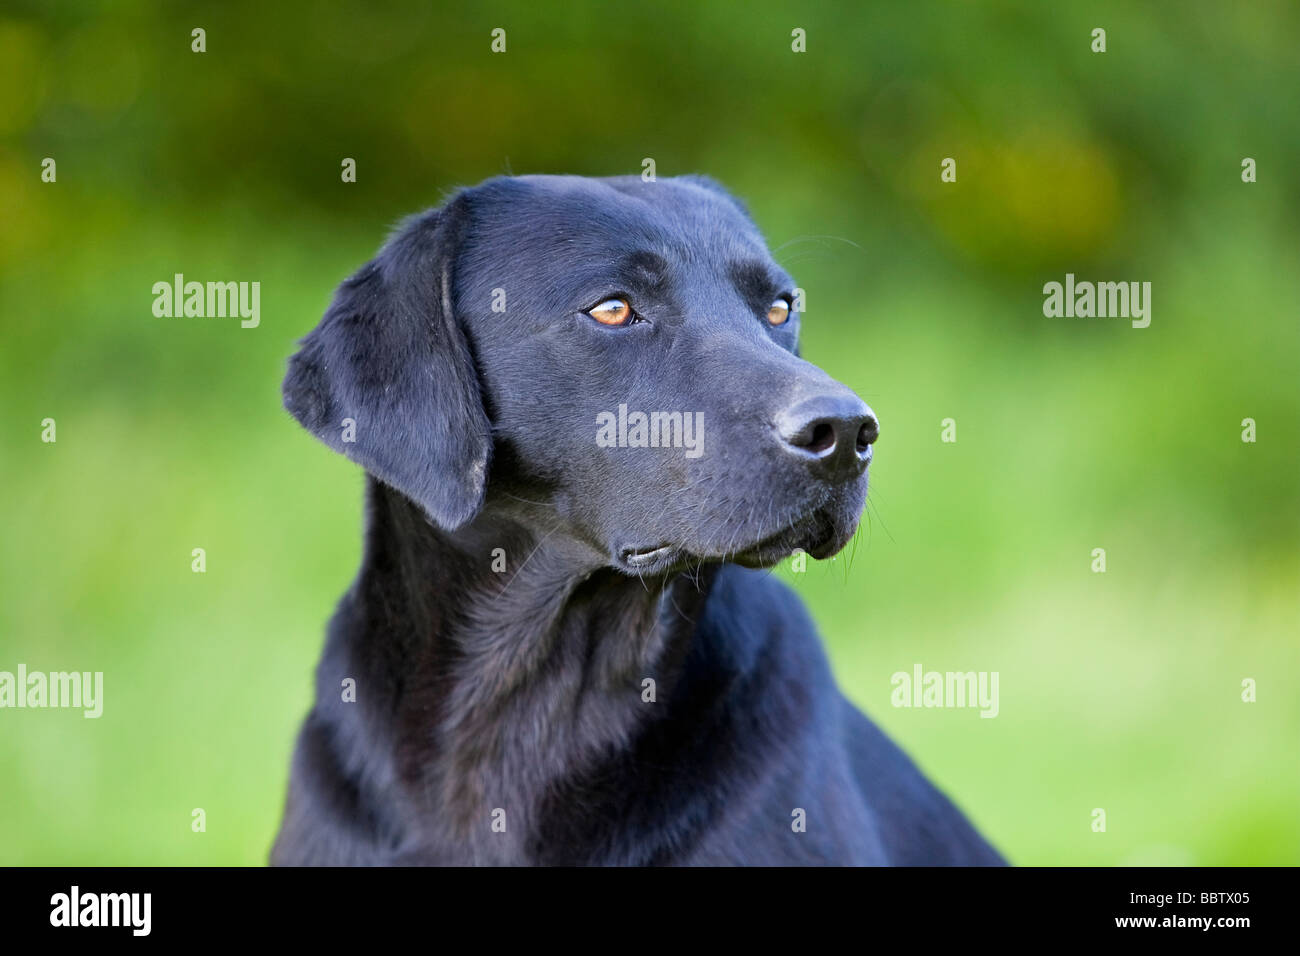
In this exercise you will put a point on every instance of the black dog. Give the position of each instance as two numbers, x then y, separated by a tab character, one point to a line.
584	422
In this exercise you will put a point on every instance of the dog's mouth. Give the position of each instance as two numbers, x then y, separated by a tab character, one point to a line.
660	557
816	534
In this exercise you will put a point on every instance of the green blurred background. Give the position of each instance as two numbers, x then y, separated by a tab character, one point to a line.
1119	691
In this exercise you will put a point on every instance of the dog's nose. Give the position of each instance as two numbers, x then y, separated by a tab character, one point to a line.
833	432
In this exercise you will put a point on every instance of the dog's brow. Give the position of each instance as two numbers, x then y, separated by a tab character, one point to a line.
754	279
649	268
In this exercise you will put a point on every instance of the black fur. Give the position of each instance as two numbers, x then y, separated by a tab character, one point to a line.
516	697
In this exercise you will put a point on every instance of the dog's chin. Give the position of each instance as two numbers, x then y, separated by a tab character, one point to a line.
819	534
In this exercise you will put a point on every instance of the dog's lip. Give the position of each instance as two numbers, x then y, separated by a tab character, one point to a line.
664	556
644	557
786	541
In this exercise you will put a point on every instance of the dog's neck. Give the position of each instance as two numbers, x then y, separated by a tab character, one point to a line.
512	659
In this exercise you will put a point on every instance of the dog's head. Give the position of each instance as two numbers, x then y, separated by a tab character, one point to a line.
609	359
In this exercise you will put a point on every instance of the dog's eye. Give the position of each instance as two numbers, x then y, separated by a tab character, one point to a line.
613	312
778	312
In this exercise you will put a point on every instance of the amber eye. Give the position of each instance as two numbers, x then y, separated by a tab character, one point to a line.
778	312
612	312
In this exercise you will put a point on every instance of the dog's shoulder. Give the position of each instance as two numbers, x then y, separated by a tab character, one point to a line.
764	623
919	825
757	628
756	639
761	604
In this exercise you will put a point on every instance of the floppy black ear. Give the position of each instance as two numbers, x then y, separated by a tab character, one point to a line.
390	357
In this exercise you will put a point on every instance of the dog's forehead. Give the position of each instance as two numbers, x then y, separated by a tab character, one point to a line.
575	216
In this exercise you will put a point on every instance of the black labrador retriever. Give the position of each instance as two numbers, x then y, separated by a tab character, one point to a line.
586	427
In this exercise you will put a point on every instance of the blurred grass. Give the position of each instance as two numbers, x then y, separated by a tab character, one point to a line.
1118	691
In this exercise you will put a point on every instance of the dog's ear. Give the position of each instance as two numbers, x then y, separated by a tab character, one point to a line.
388	379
